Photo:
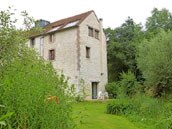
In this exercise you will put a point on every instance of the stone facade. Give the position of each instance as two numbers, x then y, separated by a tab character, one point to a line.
70	46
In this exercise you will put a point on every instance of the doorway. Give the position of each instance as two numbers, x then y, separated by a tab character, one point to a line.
94	90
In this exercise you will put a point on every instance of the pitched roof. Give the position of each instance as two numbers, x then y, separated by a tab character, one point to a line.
67	22
64	23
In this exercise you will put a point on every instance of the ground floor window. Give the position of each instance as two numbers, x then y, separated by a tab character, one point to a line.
52	54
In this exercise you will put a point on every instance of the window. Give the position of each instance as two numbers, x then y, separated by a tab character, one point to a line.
52	37
96	34
87	52
71	24
32	42
93	32
55	28
52	54
90	31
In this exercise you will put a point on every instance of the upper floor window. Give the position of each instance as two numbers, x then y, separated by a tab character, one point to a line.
52	54
52	37
87	52
93	32
32	42
90	31
96	34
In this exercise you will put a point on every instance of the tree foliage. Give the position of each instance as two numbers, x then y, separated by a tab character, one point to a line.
122	43
155	61
159	20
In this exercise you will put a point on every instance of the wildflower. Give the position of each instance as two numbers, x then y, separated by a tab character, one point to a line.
50	99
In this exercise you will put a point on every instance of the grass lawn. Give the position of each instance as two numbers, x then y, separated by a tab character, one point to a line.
91	115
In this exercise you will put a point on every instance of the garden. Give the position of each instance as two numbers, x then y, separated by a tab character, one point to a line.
34	96
93	115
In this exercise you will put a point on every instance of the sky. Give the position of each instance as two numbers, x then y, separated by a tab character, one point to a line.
113	12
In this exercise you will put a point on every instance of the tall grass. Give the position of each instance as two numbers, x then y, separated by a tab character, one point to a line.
29	86
151	111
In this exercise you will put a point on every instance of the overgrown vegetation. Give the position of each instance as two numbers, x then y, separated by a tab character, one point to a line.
127	86
155	62
143	93
29	86
34	96
82	93
92	115
112	88
154	112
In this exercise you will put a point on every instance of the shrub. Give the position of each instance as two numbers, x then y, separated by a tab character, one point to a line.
118	107
112	89
29	86
126	87
129	84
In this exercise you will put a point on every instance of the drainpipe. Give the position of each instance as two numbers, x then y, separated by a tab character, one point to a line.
101	44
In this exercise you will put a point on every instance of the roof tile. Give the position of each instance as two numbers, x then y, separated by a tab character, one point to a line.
62	23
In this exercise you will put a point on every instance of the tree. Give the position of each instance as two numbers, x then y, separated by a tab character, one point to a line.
160	20
122	43
155	61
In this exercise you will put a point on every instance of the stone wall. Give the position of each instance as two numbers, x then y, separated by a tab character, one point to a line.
93	69
65	53
70	54
65	46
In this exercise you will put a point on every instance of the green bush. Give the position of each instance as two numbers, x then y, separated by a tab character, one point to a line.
126	87
129	84
26	87
29	86
112	89
118	107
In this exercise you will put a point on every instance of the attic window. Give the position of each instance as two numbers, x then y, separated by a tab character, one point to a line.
32	42
90	31
74	23
55	28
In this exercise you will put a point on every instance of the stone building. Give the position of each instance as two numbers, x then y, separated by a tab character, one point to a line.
76	45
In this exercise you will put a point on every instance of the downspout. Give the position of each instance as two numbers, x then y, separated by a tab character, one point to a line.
42	46
101	45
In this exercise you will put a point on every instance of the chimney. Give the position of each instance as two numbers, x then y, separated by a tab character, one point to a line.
41	23
101	22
